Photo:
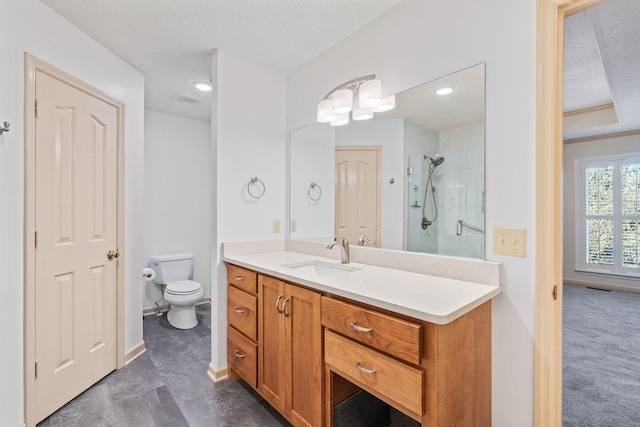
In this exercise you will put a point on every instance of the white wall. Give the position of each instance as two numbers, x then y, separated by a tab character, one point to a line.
29	26
419	41
603	147
389	134
249	138
177	156
312	149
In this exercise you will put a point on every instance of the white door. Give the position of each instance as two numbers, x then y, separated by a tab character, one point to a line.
75	219
357	194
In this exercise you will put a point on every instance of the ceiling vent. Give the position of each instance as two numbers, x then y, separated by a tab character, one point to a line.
187	99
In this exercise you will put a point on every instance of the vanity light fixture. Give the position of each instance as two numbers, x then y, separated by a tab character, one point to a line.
361	97
445	90
203	85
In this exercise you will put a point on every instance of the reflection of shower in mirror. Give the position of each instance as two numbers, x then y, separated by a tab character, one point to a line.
426	222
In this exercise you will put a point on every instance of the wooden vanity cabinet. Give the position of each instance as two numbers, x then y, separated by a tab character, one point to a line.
242	340
290	350
439	375
313	351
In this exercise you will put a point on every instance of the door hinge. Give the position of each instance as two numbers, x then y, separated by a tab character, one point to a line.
36	109
555	292
36	238
36	370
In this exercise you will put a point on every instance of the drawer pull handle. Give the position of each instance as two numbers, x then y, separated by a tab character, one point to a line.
284	307
364	370
238	354
278	304
239	310
360	328
239	279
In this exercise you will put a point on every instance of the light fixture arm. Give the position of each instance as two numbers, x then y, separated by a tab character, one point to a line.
351	84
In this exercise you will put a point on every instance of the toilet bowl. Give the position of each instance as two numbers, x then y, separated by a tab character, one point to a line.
182	297
181	293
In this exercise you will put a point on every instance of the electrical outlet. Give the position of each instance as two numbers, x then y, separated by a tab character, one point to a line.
276	225
292	226
509	241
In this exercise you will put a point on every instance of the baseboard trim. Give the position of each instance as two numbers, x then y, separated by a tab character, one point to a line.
154	311
134	354
217	375
601	285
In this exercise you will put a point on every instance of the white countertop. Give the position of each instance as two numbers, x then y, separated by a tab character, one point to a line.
434	299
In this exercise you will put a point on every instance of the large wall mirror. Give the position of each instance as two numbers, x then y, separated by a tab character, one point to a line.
410	179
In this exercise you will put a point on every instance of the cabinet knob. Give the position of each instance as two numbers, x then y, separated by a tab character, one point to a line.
238	354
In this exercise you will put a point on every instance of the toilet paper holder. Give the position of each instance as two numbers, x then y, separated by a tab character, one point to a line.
149	274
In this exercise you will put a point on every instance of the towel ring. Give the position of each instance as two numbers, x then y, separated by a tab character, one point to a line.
314	186
253	181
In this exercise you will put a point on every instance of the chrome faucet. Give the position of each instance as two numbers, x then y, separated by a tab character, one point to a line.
364	240
344	248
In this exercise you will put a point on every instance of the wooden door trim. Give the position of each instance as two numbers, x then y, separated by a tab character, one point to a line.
378	150
33	64
548	311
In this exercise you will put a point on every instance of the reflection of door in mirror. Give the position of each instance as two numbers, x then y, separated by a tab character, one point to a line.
357	210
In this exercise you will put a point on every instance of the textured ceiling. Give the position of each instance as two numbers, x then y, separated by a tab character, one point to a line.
602	64
171	41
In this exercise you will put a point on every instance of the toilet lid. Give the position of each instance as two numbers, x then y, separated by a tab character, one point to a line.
183	287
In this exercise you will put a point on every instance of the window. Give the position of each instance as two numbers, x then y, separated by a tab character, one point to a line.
608	215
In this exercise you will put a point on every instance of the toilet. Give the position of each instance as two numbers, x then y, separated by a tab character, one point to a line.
181	293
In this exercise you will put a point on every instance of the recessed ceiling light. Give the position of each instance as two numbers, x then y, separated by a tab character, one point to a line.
445	90
203	86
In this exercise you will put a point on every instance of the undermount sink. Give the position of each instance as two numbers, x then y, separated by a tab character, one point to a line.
321	268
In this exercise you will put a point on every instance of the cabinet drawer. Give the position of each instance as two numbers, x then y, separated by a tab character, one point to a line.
399	384
242	278
396	337
242	356
241	312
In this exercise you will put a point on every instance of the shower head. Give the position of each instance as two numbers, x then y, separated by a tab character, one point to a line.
437	161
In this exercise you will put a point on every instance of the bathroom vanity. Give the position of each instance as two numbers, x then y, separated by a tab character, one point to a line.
307	332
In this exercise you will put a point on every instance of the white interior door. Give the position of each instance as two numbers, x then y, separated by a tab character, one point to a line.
357	194
75	220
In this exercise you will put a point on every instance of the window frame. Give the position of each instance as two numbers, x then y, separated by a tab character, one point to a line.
616	161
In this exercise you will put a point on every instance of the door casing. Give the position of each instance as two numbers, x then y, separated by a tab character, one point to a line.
548	280
31	65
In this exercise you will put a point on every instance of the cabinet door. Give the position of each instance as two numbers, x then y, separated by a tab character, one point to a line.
304	357
271	342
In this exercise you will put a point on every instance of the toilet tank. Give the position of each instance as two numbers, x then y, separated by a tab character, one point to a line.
172	267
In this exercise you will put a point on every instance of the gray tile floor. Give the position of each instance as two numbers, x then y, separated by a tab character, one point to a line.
168	386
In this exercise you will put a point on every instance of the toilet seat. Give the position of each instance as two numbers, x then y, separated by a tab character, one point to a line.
183	287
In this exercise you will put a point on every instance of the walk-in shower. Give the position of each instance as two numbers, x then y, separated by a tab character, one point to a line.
426	222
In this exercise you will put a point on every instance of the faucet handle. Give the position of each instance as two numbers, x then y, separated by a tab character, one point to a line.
362	240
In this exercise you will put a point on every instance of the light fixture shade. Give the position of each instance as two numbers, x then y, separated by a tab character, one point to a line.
342	101
386	104
362	113
340	120
325	115
370	93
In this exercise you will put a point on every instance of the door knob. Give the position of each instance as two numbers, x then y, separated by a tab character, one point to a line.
113	254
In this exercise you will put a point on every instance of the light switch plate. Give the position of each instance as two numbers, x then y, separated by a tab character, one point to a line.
292	226
276	225
509	241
